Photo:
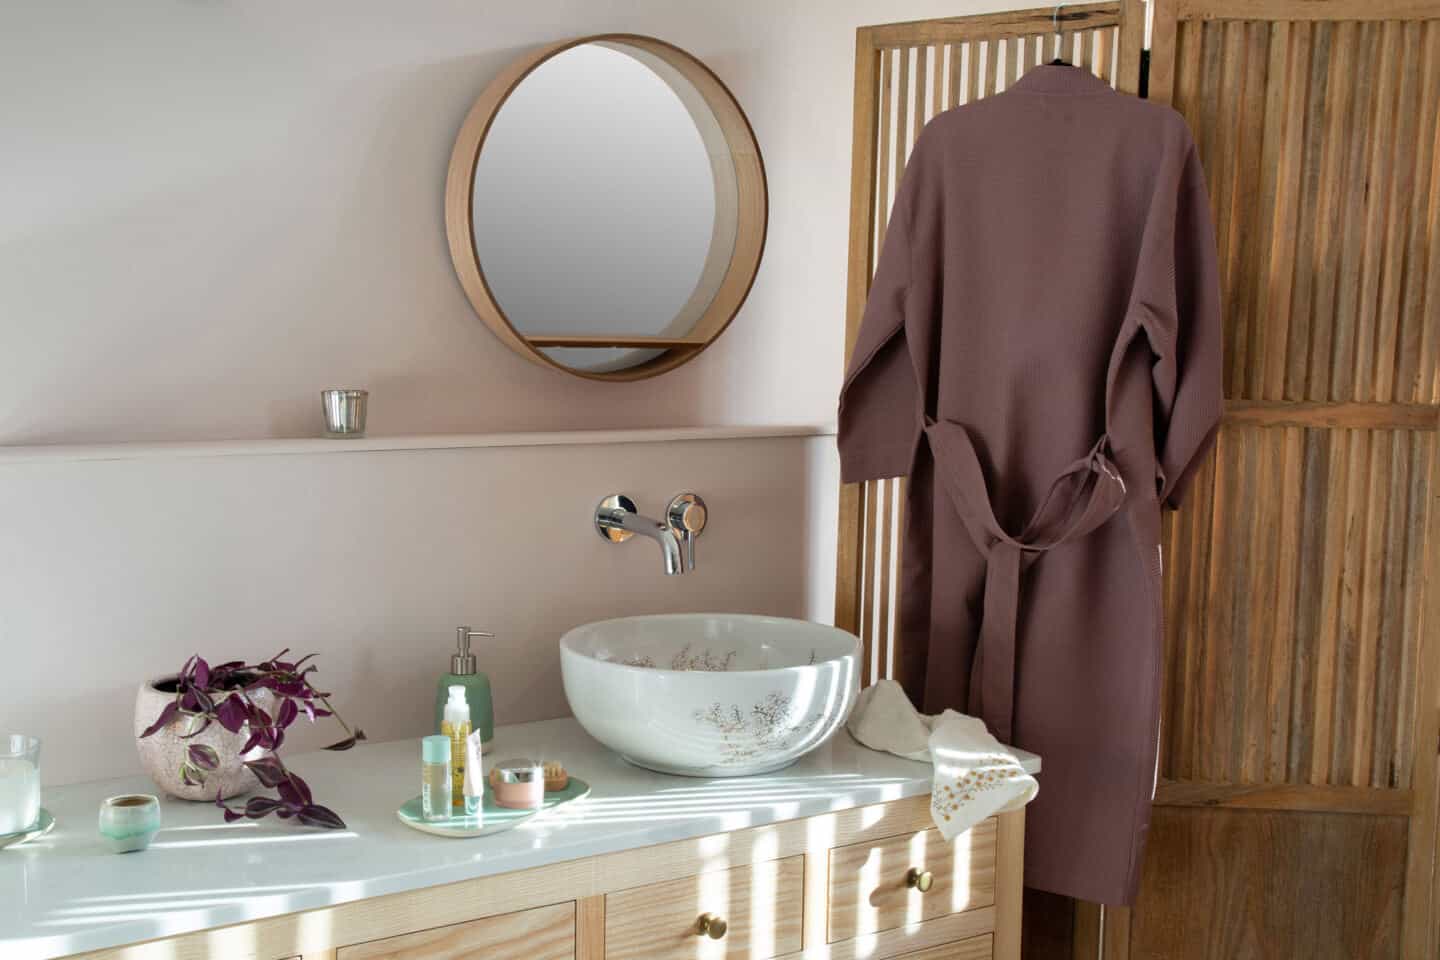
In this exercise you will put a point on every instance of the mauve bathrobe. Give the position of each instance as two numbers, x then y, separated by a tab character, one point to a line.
1040	353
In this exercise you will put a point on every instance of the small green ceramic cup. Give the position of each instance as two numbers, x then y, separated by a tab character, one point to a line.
129	822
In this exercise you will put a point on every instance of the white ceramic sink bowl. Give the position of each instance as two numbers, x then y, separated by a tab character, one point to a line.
710	694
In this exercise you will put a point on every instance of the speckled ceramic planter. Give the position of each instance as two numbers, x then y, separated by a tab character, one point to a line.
163	752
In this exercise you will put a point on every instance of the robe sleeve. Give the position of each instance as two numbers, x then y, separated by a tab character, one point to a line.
1182	321
880	402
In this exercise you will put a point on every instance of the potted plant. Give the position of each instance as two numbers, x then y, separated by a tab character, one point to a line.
214	733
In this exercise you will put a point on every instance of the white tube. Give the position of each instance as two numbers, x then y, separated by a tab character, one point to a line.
474	777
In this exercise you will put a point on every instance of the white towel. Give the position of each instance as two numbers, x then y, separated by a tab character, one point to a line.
975	776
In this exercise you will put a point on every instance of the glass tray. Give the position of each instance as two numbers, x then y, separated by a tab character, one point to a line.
493	818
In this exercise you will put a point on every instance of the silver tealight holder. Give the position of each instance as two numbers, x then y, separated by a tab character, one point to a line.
344	412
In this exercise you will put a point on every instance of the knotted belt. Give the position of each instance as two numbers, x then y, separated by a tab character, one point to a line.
1082	497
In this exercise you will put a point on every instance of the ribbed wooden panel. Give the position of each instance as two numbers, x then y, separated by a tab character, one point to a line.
1301	589
950	63
1319	144
1294	589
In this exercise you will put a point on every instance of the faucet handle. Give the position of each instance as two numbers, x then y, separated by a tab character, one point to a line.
686	515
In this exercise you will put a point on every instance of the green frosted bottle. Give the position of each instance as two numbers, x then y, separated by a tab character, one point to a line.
463	673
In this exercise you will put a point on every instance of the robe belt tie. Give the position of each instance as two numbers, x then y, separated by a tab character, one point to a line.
1086	494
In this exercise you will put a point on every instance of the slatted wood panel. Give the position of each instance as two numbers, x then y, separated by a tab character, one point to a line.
1315	685
1326	131
905	74
1302	583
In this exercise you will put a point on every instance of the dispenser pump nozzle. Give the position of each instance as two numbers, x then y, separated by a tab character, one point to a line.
462	662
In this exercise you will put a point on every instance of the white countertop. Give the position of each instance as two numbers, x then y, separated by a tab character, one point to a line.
66	893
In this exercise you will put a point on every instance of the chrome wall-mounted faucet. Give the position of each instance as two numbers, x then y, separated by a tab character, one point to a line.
617	520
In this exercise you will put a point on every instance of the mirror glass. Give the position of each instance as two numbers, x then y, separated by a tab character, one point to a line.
600	201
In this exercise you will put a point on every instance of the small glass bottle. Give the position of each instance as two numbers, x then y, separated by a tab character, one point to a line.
435	782
456	726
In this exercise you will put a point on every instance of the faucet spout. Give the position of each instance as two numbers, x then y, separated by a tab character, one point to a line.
661	534
617	520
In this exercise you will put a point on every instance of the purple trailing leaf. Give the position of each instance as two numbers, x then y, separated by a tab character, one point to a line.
257	735
231	713
195	700
201	673
257	807
203	756
269	771
171	711
295	791
348	742
314	815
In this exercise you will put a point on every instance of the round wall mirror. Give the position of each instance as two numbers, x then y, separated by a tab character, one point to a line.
606	206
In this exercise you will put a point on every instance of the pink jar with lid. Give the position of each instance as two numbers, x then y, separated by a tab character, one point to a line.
518	784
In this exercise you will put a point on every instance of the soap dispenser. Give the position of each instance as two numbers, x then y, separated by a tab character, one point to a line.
477	686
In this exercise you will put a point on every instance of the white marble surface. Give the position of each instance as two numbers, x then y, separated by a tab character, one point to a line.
65	893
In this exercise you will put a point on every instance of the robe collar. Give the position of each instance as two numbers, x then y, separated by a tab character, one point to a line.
1062	80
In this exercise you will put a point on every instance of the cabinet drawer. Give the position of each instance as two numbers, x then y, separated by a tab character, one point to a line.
870	888
975	948
544	933
760	906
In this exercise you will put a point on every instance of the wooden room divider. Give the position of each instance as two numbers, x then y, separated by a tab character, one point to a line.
1297	803
1296	811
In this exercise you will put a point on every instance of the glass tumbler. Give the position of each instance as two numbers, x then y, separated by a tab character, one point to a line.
19	782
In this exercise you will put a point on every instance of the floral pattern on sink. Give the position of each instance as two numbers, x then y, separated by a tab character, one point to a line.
764	728
685	660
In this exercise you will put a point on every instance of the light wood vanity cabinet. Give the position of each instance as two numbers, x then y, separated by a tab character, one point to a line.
841	886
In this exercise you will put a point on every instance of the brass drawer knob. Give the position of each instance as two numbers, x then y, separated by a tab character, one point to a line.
921	880
711	926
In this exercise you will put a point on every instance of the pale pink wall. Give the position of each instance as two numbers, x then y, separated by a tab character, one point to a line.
111	571
212	210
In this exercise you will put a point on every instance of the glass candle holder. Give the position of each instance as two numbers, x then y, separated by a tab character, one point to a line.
344	412
19	782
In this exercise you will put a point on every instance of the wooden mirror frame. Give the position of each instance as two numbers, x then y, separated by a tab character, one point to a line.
748	220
